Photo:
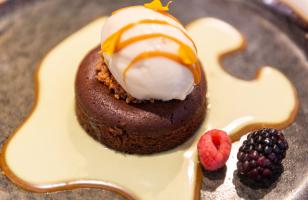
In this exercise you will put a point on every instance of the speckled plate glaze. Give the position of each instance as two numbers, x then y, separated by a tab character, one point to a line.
272	40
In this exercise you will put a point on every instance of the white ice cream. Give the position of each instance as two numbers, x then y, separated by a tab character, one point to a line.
153	78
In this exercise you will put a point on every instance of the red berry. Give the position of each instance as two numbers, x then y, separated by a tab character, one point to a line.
214	149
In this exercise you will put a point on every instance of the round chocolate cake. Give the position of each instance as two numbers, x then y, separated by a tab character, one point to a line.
141	128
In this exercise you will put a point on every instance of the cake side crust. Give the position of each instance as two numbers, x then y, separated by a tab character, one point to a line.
142	128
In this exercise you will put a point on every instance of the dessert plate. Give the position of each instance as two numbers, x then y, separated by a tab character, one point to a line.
228	187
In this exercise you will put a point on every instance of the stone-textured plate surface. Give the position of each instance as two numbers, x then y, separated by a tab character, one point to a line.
29	29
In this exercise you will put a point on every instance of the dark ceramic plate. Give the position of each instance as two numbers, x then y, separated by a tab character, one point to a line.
29	28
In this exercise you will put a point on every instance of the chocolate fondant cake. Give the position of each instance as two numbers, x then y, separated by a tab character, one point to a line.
134	128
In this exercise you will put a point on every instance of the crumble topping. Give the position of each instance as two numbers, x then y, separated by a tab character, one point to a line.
104	76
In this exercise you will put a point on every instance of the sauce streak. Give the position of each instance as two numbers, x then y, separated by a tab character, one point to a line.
110	44
195	68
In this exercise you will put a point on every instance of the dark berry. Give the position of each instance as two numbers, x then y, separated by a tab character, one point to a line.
251	141
261	154
273	157
253	174
282	145
266	173
268	141
259	139
267	134
253	163
240	155
259	148
239	164
246	166
253	155
260	161
267	150
267	163
245	157
249	136
276	149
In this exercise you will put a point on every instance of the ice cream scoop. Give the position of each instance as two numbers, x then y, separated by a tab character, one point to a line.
150	54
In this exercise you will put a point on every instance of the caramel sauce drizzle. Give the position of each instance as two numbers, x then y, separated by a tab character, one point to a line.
110	45
187	56
195	68
149	36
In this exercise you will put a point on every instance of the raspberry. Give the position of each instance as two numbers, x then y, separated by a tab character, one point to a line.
214	149
260	156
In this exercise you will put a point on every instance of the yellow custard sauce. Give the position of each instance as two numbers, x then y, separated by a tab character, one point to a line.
51	151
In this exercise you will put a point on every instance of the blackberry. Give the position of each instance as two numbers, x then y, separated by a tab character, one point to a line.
260	156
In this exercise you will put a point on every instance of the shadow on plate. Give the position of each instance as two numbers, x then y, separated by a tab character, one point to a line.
212	180
248	189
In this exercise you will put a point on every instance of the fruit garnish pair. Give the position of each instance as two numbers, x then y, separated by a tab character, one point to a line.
259	157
